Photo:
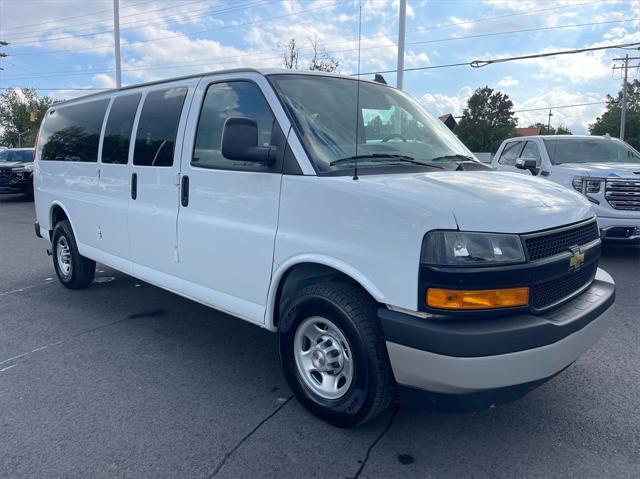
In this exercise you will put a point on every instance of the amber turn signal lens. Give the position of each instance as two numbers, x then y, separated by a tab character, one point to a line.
477	299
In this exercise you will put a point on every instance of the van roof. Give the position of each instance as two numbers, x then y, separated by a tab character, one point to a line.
261	71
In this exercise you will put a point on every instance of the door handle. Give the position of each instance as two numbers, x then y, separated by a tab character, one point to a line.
184	191
134	186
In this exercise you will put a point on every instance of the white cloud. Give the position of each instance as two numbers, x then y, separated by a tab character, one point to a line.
576	118
508	81
103	81
440	104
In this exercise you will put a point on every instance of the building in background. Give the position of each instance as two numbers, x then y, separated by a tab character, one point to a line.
528	131
448	120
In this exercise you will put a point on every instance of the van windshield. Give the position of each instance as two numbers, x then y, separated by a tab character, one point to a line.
391	127
590	150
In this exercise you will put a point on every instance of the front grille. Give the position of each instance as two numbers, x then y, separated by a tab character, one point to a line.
549	293
623	194
5	172
543	245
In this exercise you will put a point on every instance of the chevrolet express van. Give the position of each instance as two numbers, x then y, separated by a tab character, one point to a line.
338	214
604	169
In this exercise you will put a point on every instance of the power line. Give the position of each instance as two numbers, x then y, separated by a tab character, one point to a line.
55	89
57	20
99	23
524	30
259	56
562	106
73	35
483	63
422	30
208	30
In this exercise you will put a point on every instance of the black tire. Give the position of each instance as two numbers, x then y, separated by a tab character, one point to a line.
81	270
28	192
353	311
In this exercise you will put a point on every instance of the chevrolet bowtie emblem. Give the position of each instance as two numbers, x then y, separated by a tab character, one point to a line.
576	260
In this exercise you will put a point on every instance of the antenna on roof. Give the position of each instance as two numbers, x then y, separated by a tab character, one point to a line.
355	169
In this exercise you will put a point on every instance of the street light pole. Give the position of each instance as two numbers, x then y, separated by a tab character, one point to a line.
20	137
116	34
549	123
401	35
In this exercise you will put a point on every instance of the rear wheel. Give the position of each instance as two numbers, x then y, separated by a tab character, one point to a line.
74	270
333	354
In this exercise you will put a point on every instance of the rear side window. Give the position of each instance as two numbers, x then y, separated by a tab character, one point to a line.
510	153
158	127
72	133
117	135
222	101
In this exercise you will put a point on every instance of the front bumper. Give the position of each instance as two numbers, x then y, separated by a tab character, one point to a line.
619	229
12	183
465	356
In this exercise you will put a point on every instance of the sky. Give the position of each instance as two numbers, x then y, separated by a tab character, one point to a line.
64	48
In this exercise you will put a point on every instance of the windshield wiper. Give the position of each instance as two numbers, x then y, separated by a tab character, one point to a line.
405	158
454	157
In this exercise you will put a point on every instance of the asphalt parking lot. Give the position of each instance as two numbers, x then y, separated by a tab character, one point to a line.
126	380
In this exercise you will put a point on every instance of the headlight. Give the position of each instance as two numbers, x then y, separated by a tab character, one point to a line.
28	167
578	182
455	248
587	185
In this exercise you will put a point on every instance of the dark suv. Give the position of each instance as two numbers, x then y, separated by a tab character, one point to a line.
16	171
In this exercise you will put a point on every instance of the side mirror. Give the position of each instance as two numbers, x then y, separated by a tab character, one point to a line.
240	142
530	164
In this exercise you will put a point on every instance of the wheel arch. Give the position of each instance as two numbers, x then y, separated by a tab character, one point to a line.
57	212
306	269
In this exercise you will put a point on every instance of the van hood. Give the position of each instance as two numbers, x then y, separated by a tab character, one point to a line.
488	201
602	170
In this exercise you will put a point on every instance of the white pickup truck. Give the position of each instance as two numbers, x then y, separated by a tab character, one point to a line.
604	169
338	214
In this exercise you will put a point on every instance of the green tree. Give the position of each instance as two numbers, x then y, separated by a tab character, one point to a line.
609	122
320	61
16	107
487	120
561	130
291	53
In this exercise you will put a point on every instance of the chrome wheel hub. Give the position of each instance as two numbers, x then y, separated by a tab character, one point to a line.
323	357
63	255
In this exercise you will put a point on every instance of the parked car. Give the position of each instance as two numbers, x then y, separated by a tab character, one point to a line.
604	169
16	171
386	262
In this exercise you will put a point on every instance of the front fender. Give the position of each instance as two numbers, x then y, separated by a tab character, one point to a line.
280	271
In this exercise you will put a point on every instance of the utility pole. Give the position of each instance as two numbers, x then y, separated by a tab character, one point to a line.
116	34
623	109
20	135
3	55
401	35
549	123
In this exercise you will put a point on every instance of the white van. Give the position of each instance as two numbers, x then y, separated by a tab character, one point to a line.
339	215
604	169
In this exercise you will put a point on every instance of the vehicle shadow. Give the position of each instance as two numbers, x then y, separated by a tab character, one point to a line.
15	198
620	250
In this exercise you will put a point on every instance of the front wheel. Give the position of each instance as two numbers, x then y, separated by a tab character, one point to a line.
333	354
74	270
